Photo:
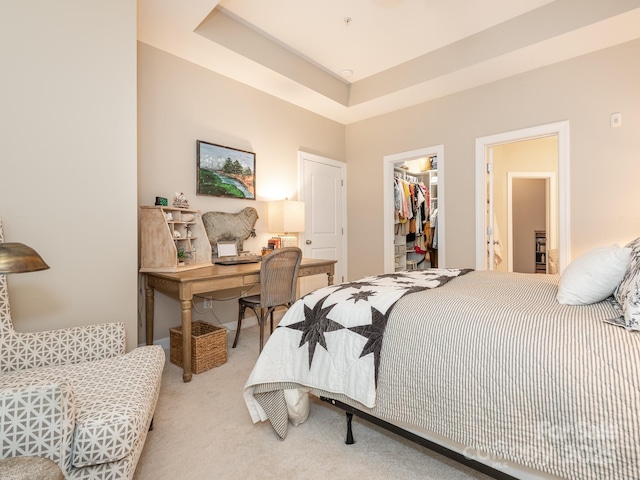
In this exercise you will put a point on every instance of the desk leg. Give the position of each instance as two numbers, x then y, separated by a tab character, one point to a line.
149	312
186	340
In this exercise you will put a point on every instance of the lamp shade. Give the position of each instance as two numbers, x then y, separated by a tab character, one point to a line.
286	216
18	258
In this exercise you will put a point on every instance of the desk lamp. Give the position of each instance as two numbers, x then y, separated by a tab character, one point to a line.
286	216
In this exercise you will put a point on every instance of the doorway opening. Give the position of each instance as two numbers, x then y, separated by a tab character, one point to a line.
557	217
532	222
397	159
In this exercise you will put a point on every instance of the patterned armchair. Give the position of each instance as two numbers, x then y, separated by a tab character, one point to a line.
75	397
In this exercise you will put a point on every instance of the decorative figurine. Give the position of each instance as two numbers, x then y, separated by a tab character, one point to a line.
180	201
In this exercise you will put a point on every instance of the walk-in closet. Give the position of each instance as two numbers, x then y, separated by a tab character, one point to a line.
415	227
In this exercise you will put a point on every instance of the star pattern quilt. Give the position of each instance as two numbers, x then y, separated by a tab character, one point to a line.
331	339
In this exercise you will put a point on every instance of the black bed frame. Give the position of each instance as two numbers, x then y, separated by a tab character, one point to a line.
458	457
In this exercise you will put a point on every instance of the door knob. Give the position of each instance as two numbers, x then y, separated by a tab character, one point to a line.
308	242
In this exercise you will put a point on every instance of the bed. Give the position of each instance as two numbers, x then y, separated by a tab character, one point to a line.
490	365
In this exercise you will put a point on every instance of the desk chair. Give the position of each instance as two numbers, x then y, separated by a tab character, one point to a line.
278	276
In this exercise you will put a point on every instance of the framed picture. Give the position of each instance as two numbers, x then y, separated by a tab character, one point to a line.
226	172
227	249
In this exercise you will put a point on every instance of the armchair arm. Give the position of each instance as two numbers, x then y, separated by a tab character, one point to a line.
37	419
58	347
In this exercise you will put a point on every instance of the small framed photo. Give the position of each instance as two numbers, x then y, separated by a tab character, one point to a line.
225	172
227	249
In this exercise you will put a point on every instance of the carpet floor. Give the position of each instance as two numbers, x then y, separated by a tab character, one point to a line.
202	430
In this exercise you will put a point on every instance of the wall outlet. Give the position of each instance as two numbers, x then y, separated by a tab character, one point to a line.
208	304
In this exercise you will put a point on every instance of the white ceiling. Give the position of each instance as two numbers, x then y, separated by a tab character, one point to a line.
401	52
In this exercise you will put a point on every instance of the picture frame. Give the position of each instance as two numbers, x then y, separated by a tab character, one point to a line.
227	249
225	171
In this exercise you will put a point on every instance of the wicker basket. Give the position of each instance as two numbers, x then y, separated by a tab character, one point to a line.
208	346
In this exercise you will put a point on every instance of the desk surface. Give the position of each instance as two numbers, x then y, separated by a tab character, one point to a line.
307	266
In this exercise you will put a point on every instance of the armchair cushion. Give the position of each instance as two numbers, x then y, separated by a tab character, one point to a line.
114	403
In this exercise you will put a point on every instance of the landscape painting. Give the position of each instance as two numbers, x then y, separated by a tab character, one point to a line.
226	172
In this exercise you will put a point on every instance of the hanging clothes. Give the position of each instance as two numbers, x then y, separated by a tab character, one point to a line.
411	204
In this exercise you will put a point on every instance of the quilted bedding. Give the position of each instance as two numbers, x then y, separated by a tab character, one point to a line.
332	337
493	362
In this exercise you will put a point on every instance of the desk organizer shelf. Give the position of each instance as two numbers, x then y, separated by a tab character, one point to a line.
172	240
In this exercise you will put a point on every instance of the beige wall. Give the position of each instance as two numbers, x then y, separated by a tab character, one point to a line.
604	161
179	103
68	159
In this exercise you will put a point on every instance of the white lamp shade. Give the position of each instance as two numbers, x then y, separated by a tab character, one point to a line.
286	216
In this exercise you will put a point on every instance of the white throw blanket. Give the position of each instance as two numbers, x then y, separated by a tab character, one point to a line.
331	339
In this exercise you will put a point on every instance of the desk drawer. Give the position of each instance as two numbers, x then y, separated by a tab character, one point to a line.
251	279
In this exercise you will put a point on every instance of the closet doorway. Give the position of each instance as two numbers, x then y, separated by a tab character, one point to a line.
495	180
390	162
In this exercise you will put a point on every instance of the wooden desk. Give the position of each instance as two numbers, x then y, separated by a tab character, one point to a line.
184	285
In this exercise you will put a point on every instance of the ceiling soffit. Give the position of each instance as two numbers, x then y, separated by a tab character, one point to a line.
552	33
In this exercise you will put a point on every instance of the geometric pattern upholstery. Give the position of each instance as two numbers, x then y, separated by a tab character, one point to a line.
73	396
22	351
109	405
37	420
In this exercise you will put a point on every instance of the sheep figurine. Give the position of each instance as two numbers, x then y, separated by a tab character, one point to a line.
230	226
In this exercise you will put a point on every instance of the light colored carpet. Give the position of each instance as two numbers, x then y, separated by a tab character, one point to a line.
202	430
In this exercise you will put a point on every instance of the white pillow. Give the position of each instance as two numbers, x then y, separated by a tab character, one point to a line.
594	276
297	405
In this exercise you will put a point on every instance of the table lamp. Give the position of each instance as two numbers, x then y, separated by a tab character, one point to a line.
286	216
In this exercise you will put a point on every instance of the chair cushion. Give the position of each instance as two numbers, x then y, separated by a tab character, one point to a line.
251	299
115	400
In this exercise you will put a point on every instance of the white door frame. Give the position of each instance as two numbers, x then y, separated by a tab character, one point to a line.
551	207
302	156
561	129
388	162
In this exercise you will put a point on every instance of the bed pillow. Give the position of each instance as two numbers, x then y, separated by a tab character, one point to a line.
297	405
627	294
594	276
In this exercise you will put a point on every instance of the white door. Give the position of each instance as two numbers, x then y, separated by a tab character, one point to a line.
322	188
